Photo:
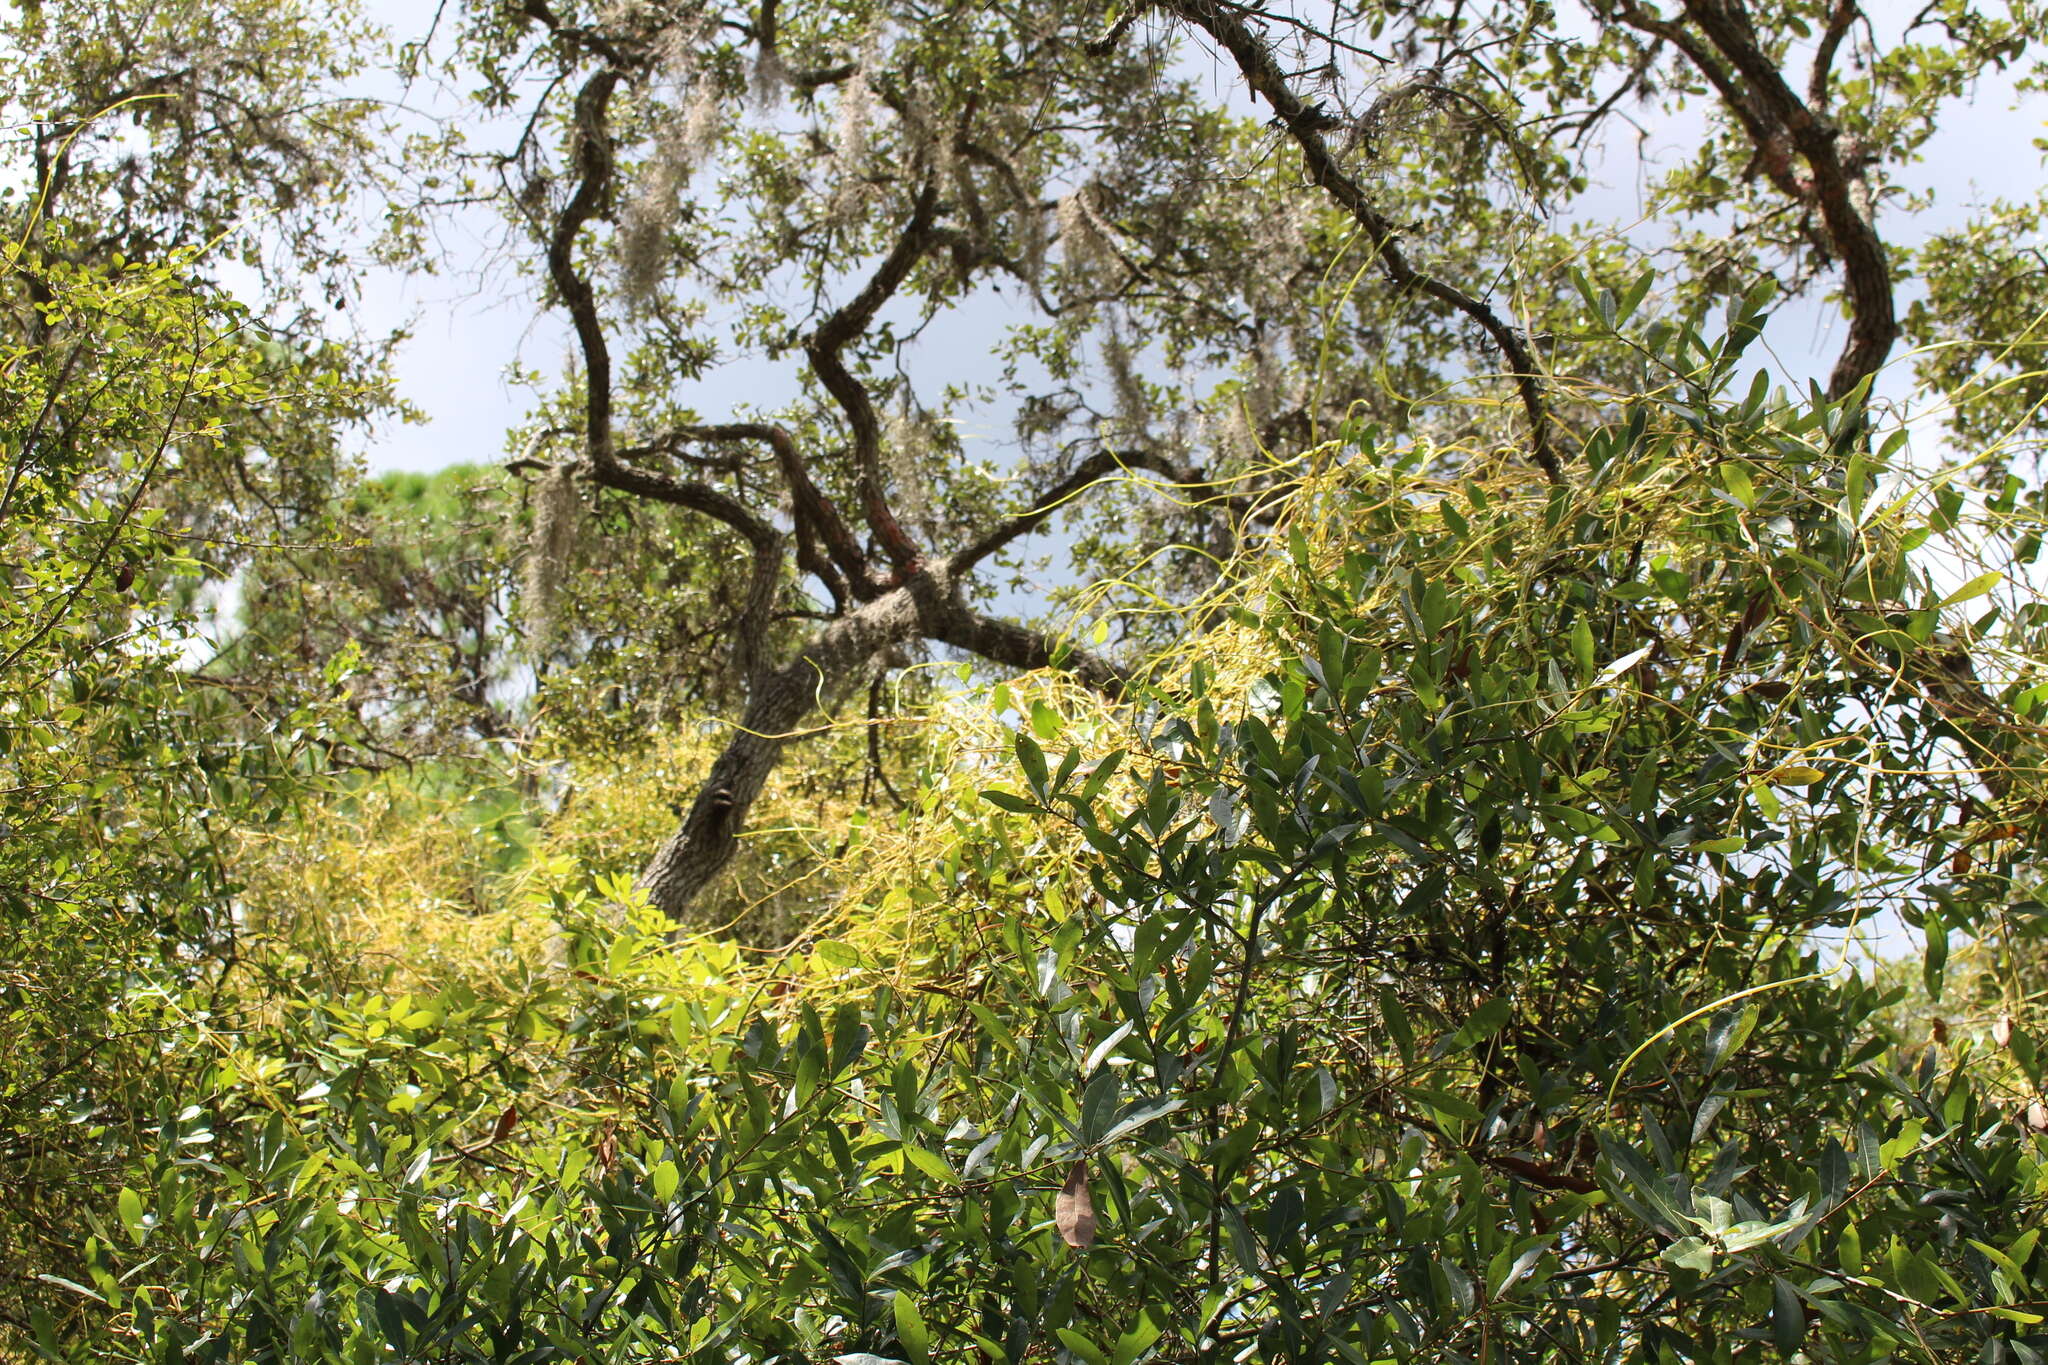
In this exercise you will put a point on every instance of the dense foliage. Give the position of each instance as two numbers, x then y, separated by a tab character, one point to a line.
1509	836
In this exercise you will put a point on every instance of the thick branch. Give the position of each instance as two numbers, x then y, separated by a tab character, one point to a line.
1090	472
1866	275
1773	156
1006	642
574	35
709	834
1262	72
927	606
751	629
824	348
593	158
816	513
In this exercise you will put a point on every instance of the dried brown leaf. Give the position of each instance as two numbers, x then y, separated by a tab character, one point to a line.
1074	1211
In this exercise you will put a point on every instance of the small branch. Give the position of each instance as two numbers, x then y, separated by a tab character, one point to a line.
120	523
1091	471
1866	274
1106	44
35	431
1772	155
575	35
594	166
876	770
1840	21
824	75
815	512
1583	127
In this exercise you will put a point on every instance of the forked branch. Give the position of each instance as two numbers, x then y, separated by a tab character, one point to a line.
1305	124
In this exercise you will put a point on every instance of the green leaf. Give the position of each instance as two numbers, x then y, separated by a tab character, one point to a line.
1582	646
836	955
1137	1341
1396	1017
980	1155
910	1329
931	1163
1032	759
1788	1317
1137	1118
1098	1102
1617	667
129	1205
1690	1253
1976	587
1082	1346
1735	478
1449	1105
1105	1047
1484	1023
664	1178
1933	967
1727	1032
74	1286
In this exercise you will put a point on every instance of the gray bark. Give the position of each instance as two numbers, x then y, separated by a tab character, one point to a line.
926	607
780	700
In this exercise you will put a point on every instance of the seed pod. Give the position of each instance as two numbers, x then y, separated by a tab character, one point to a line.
2001	1032
2037	1117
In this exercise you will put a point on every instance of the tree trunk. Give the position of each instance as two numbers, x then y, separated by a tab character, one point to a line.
709	835
928	606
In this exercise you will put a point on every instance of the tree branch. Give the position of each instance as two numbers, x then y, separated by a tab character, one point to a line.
593	158
1006	642
824	348
815	512
708	837
1840	20
1764	134
1866	274
1087	474
1263	74
751	629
